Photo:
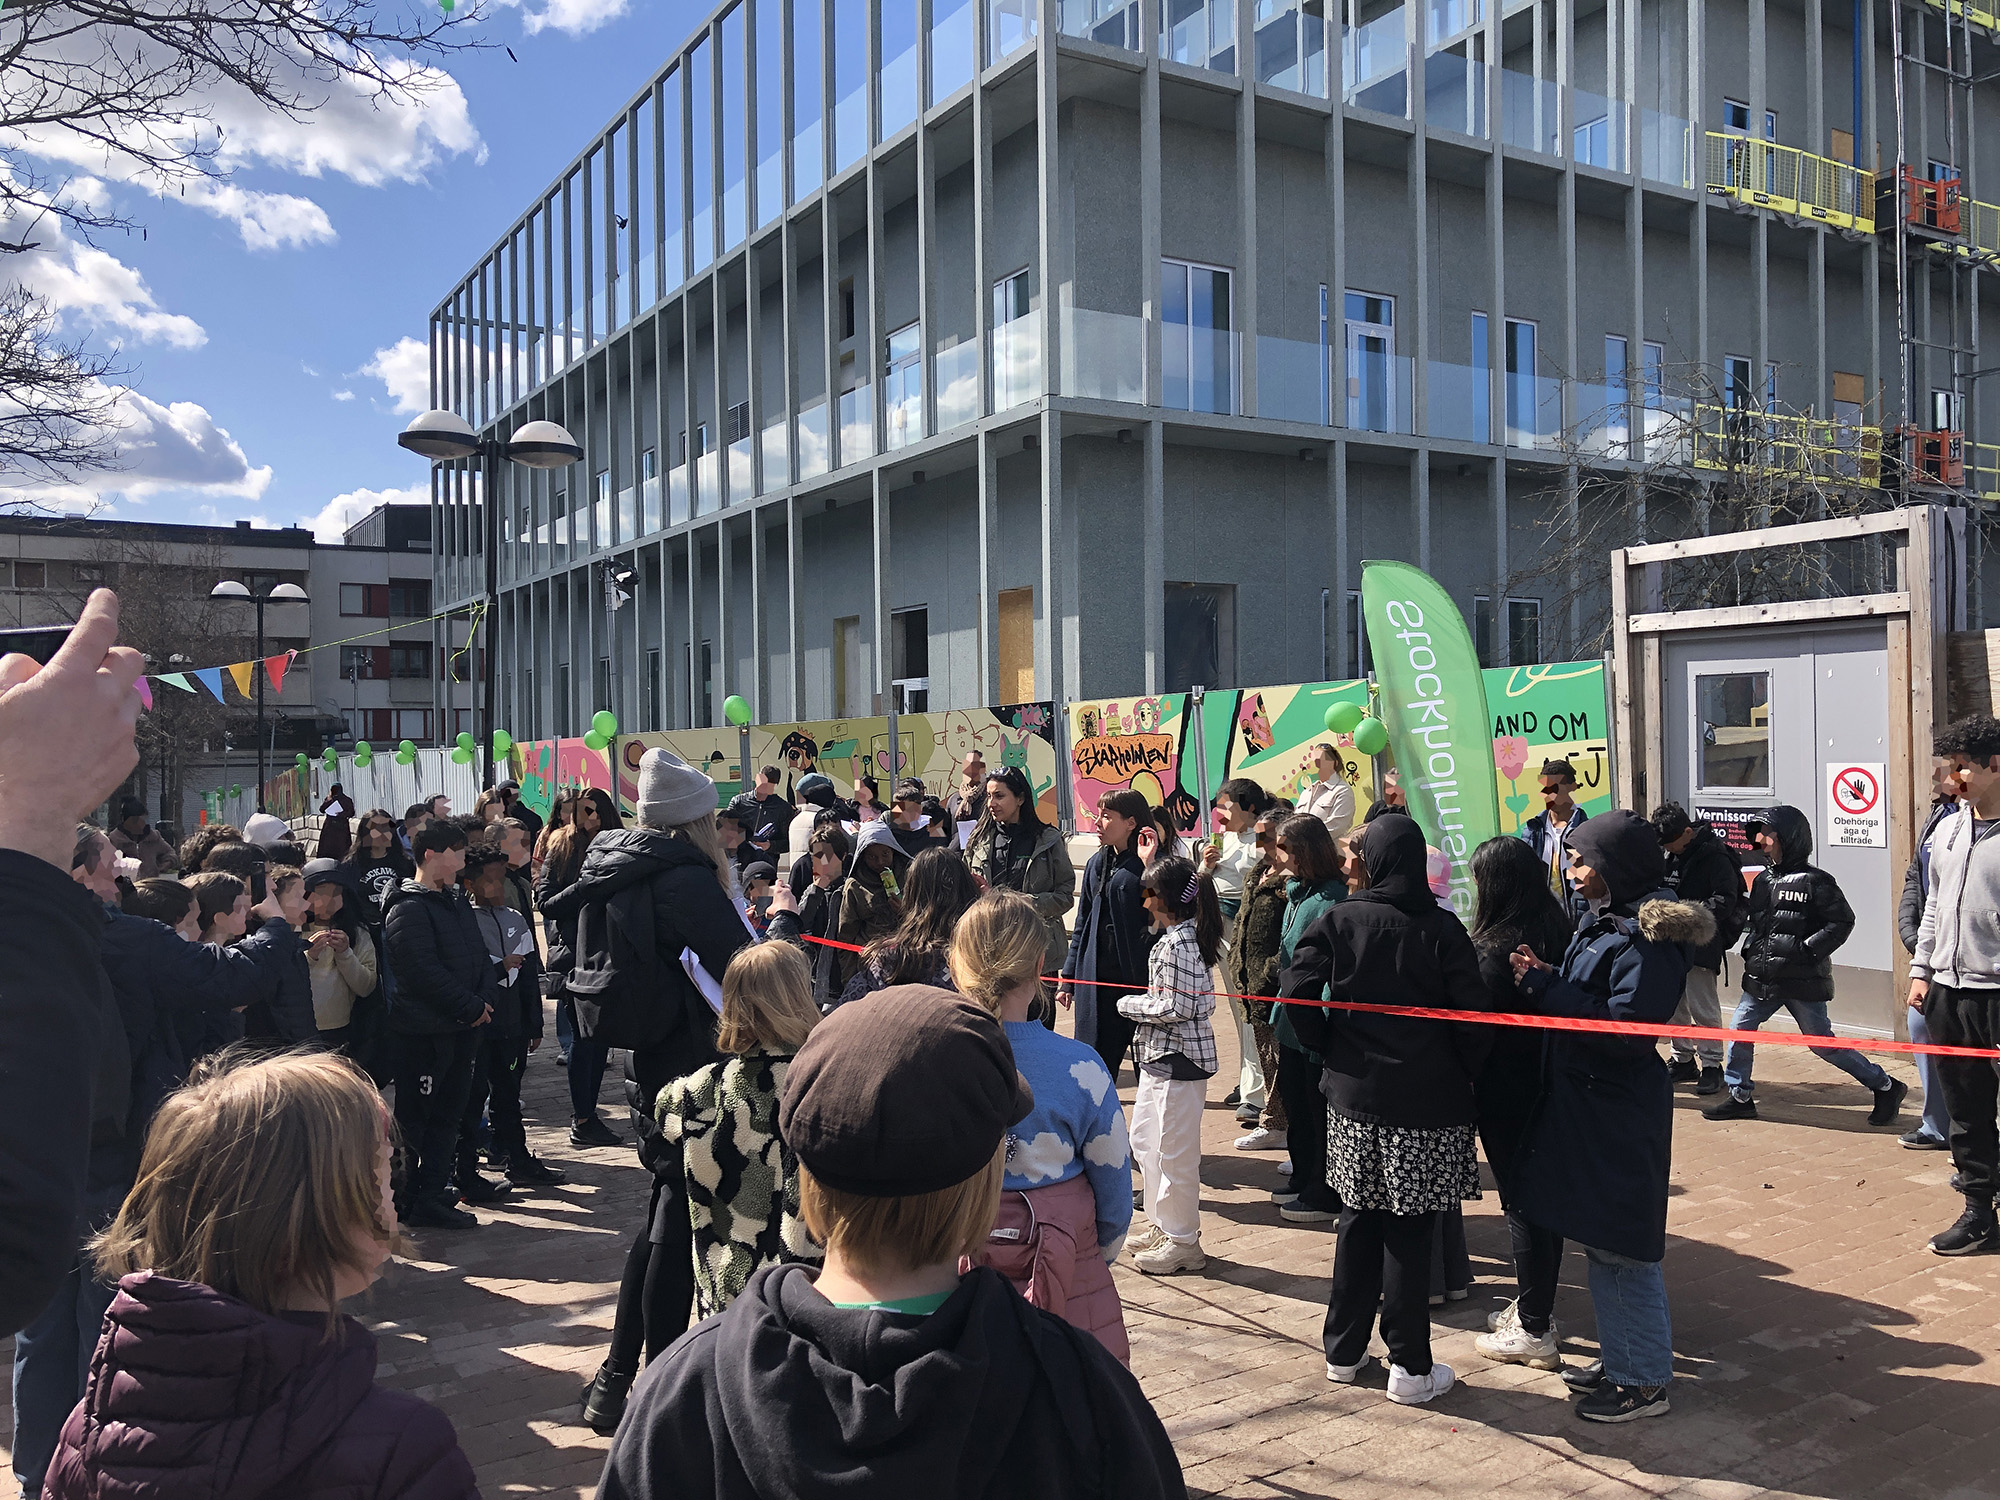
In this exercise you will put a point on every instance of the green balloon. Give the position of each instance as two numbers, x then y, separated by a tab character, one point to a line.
406	747
594	741
1342	717
363	758
604	724
362	747
502	743
236	791
405	756
460	756
302	760
331	761
735	710
1371	736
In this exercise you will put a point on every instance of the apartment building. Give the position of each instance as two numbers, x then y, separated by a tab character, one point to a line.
947	352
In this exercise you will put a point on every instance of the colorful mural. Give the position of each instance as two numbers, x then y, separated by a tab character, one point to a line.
930	746
548	768
1268	735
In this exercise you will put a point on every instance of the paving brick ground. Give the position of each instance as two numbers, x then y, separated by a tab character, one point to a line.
1819	1350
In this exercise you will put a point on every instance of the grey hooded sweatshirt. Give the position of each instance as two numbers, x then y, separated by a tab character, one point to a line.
1958	942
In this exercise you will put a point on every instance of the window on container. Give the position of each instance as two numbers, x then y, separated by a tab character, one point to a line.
701	173
673	202
952	47
735	122
850	82
899	65
1733	730
770	66
807	152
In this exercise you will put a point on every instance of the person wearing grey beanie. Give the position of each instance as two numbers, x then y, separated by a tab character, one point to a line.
671	792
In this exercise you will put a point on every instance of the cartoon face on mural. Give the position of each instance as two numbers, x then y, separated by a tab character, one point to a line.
1089	724
801	752
1146	715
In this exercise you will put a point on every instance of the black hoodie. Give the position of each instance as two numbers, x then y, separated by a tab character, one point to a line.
1392	944
1798	916
1706	872
785	1394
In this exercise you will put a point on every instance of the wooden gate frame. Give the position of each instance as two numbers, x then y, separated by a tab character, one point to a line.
1929	603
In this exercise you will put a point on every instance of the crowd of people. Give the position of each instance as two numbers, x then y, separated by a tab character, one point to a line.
872	1053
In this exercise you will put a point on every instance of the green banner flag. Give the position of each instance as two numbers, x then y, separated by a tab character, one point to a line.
1434	701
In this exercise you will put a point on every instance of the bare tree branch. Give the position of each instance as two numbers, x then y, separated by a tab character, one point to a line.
57	414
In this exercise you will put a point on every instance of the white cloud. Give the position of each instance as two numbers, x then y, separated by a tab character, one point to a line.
178	446
404	368
571	17
343	395
342	511
267	221
93	288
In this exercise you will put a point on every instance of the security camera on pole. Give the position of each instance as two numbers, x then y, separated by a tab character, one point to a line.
616	579
446	437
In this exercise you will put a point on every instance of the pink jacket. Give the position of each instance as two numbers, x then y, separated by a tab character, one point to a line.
1045	1242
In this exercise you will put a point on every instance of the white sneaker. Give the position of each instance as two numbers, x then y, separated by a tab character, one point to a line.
1514	1345
1285	1166
1261	1139
1406	1389
1283	1196
1293	1214
1510	1317
1169	1257
1145	1239
1346	1374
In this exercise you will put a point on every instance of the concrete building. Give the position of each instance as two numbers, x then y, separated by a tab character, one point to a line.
988	350
387	687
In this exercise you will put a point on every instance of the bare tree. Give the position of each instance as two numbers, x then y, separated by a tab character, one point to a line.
1688	459
56	412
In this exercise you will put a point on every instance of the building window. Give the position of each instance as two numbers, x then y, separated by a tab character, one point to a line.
1360	660
903	386
409	598
654	694
1375	396
410	660
649	465
1016	350
1736	388
1197	347
602	683
1524	631
846	310
738	421
1523	384
1614	427
359	662
31	575
1736	117
910	661
1201	635
88	572
807	151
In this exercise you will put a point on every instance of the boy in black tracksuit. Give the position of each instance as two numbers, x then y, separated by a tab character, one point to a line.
1798	917
516	1030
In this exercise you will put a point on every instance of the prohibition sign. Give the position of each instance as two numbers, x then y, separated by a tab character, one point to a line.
1855	791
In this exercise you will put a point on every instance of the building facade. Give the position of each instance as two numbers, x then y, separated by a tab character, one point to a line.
989	350
392	684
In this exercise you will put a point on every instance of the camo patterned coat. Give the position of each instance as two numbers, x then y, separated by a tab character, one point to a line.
742	1181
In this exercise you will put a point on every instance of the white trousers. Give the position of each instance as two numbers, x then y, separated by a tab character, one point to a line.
1250	1081
1166	1143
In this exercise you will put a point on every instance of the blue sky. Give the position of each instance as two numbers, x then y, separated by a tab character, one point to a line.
260	322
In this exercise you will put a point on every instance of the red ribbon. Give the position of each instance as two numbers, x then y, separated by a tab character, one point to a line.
1556	1023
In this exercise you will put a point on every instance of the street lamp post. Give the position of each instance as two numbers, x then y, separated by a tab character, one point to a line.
446	437
284	593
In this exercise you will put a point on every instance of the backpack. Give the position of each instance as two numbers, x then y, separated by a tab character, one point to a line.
612	982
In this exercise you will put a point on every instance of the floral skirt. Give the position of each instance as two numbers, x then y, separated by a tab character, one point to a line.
1398	1170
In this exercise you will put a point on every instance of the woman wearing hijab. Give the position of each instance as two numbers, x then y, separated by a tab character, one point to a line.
1594	1165
1399	1099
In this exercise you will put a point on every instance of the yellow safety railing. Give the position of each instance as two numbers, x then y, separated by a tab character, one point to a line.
1978	14
1982	229
1740	437
1982	470
1787	180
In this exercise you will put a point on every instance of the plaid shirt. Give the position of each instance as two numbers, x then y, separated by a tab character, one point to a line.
1173	1013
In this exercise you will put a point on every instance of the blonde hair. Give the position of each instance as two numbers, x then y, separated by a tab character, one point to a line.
904	1234
766	1000
255	1180
1000	943
704	835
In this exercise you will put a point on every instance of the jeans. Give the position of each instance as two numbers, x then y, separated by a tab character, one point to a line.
1969	1018
1386	1256
51	1362
1634	1330
1699	1006
1752	1012
1166	1146
1305	1128
1937	1119
565	1026
433	1077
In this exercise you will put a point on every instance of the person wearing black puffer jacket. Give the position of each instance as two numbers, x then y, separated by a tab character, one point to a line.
1702	869
669	875
1798	917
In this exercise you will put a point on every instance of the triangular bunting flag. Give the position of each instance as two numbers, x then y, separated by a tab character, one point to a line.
145	691
176	679
210	678
240	673
274	668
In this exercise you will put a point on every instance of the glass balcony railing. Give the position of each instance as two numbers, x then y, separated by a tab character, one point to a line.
1602	425
1198	369
1010	26
677	494
1378	393
742	471
1292	378
1530	113
649	504
857	424
1113	23
628	516
777	461
602	516
813	449
1200	33
903	408
1666	148
1459	402
1289	44
1534	410
1103	355
1455	93
1375	63
956	371
1017	362
707	483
